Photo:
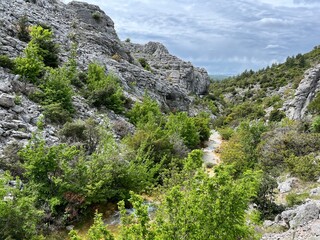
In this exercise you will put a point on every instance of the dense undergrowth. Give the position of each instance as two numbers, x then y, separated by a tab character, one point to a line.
46	187
259	135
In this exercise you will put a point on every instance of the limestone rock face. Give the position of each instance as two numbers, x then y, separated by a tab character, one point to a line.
170	68
171	81
302	222
296	108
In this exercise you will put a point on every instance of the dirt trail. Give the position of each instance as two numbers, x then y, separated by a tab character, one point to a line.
209	153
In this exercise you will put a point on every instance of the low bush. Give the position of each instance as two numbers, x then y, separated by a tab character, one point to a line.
315	126
276	115
6	62
296	199
144	64
225	133
23	29
55	113
306	167
104	89
74	131
96	16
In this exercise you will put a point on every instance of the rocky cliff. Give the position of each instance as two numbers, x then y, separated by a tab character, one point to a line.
296	108
170	80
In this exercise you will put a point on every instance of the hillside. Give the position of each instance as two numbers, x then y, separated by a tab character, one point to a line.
279	89
92	127
270	119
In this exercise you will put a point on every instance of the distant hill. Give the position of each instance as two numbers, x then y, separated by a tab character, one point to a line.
272	90
219	77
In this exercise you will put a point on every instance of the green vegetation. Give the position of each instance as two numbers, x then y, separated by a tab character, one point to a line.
23	29
96	16
296	199
104	90
144	64
196	207
6	62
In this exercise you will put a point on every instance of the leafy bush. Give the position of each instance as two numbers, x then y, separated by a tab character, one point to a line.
6	62
185	127
48	50
56	113
225	132
145	111
144	64
17	206
201	122
23	29
96	16
296	199
281	143
314	106
74	131
30	66
199	208
57	89
276	115
315	126
104	90
306	167
265	198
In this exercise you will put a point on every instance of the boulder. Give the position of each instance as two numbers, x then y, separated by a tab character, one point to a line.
315	192
287	185
6	100
301	215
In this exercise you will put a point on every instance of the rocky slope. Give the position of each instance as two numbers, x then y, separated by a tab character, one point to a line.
296	108
170	81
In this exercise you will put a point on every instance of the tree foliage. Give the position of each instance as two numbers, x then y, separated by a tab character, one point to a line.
198	208
104	89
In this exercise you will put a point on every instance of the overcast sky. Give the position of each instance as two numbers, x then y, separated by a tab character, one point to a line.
224	36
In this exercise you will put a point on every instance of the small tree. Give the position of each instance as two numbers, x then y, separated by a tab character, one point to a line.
98	230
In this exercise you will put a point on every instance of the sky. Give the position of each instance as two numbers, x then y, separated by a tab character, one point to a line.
223	36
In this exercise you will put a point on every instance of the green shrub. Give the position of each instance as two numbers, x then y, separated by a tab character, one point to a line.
74	131
6	62
306	167
185	127
265	198
144	64
276	115
48	50
314	106
144	111
201	122
296	199
96	16
225	132
104	90
57	89
55	113
23	29
315	126
281	143
31	65
17	99
40	52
